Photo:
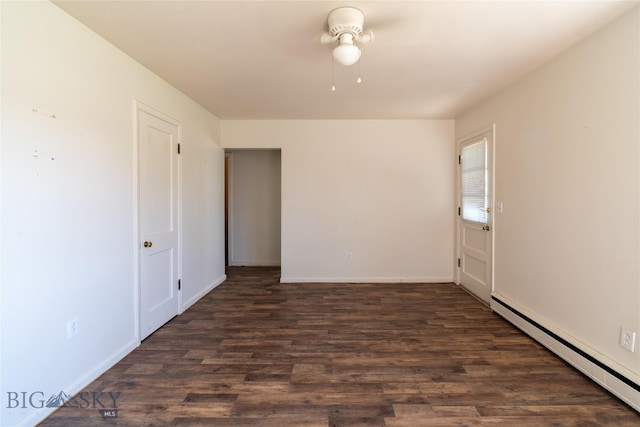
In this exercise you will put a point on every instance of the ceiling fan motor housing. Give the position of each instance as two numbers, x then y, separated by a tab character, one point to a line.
345	20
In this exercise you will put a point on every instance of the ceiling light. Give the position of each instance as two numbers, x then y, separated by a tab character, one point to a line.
346	53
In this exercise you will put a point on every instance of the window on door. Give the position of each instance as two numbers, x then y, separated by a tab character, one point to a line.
474	177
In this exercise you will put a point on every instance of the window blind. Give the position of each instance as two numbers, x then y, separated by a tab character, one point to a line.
474	194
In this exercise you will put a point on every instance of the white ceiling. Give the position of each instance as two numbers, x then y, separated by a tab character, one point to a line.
264	60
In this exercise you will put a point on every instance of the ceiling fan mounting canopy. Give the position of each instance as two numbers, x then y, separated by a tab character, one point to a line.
345	20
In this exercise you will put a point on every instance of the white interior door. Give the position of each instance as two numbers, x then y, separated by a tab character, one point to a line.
158	222
476	225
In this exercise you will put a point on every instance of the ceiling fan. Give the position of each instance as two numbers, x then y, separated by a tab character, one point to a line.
346	27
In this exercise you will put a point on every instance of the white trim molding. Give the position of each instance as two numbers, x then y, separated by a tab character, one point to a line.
420	279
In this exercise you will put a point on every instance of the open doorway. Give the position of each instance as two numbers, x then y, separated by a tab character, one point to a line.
253	207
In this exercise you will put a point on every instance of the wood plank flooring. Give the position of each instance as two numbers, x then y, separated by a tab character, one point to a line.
255	352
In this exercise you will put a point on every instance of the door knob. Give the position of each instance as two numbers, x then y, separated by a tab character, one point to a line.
147	244
484	227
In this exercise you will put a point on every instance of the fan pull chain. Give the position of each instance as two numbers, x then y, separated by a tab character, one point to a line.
333	74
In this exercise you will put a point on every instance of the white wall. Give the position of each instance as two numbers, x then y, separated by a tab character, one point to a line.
254	207
68	227
568	172
379	189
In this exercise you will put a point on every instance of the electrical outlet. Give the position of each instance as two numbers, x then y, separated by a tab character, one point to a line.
73	327
628	339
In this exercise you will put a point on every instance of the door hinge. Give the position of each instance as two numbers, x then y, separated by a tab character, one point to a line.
459	160
458	210
458	262
179	284
178	148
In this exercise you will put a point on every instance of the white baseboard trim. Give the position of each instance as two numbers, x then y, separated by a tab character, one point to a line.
202	293
40	414
250	263
425	279
86	379
607	373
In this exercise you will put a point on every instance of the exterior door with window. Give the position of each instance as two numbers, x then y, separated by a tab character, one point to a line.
476	225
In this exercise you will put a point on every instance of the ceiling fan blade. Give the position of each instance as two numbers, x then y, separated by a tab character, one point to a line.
365	37
327	38
382	24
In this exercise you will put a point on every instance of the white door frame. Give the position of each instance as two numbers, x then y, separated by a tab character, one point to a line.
137	107
229	156
458	227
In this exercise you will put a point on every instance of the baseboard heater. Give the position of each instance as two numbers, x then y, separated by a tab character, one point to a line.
612	380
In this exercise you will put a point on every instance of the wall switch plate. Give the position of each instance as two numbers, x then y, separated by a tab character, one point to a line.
628	339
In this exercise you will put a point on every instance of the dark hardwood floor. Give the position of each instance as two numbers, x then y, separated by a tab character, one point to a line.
255	352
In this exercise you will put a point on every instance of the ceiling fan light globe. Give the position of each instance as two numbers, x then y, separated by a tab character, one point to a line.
346	54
